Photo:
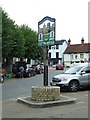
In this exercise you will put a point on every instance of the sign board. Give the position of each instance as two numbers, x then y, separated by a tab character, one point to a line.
46	31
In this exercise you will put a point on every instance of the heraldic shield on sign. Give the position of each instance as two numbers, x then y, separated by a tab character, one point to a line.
46	31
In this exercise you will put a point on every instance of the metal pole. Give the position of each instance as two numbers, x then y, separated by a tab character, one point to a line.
45	66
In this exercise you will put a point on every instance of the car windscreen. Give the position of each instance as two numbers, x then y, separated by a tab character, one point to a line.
74	70
19	64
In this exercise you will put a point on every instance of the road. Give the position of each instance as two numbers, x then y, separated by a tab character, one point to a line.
14	88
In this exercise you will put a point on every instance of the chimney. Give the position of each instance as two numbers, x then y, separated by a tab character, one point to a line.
69	41
82	40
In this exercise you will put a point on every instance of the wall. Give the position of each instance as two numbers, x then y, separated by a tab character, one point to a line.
68	59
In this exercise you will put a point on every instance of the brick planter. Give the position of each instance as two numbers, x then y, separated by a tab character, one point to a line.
47	93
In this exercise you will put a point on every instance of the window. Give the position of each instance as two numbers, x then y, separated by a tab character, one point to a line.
75	56
57	54
57	46
53	47
87	69
49	55
81	55
49	47
71	57
89	57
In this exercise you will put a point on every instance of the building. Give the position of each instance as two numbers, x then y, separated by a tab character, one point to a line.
55	53
77	53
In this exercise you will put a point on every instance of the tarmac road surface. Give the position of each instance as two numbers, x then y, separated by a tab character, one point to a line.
12	109
14	88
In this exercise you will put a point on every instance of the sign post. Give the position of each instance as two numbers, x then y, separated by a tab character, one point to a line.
46	37
45	82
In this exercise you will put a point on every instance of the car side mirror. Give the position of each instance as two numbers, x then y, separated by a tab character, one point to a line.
82	72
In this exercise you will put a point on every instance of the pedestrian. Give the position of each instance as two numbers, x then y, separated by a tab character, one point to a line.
21	71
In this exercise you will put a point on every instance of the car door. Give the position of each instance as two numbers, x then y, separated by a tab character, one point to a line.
85	76
87	71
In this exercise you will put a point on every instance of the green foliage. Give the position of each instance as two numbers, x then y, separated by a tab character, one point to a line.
0	26
0	20
18	41
32	50
8	31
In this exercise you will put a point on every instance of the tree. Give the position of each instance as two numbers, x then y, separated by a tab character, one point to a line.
12	40
32	51
7	38
18	44
18	41
0	35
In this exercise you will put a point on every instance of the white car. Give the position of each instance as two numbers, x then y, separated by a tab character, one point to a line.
74	78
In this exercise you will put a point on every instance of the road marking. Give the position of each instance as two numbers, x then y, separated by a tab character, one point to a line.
71	94
15	98
11	99
80	102
86	95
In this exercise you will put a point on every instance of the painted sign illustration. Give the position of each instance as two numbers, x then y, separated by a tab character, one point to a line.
46	31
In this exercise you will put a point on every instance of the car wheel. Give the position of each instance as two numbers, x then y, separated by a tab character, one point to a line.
73	86
34	74
29	75
51	83
40	71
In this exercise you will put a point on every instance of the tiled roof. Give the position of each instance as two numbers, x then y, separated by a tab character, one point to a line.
78	48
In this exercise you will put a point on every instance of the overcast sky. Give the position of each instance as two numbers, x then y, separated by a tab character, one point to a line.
71	16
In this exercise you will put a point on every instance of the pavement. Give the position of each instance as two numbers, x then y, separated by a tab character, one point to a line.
13	109
41	104
77	108
23	107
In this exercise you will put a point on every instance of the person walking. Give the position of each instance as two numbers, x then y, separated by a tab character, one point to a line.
21	71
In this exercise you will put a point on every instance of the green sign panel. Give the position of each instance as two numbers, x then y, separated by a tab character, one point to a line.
46	31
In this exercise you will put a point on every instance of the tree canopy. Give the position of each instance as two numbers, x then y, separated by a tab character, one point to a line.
18	41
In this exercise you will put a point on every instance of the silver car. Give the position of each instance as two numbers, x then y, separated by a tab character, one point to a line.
74	78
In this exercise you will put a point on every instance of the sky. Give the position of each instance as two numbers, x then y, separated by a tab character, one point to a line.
71	16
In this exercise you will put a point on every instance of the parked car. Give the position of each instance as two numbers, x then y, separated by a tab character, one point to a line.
74	78
31	72
59	67
39	69
28	72
1	78
16	68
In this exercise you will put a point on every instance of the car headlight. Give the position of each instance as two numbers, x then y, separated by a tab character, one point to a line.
64	79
